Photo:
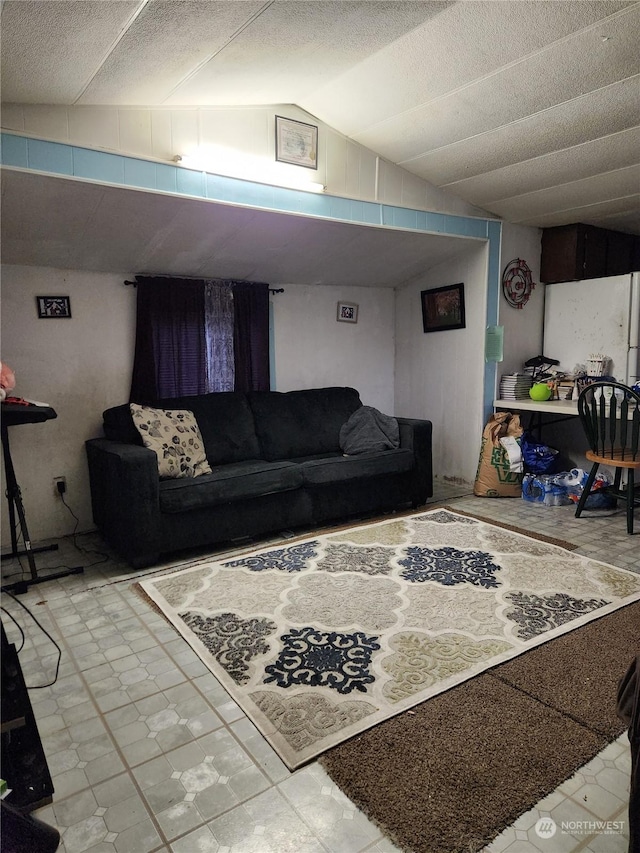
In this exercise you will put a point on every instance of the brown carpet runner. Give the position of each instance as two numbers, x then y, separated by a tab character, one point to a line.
452	773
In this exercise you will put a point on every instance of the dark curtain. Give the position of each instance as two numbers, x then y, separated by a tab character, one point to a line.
170	357
171	349
251	336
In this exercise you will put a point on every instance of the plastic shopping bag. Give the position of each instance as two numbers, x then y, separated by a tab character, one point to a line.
574	482
537	458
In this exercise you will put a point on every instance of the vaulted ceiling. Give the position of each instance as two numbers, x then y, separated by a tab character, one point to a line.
530	110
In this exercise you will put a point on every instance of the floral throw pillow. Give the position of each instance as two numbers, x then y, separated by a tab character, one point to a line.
175	437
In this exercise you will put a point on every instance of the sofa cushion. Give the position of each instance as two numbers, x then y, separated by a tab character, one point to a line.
117	424
301	423
174	437
339	469
225	421
226	424
226	483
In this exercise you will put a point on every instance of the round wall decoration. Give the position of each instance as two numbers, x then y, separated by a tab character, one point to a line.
517	283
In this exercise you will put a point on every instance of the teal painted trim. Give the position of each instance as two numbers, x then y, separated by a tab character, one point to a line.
104	167
495	236
436	222
50	157
465	226
14	151
455	225
217	187
98	166
254	195
191	183
140	173
285	199
494	233
476	227
339	208
166	179
405	218
272	349
371	213
401	217
314	204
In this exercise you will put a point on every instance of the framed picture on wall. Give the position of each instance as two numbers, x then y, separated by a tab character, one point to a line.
347	312
443	308
296	142
53	307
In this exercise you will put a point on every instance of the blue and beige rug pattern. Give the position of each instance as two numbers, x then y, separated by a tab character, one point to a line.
323	638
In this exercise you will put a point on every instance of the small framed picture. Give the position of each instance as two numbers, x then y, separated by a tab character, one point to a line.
443	308
296	142
347	312
53	307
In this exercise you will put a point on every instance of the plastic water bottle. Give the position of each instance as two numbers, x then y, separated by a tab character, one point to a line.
550	491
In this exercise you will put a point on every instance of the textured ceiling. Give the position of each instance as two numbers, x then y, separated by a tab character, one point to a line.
530	110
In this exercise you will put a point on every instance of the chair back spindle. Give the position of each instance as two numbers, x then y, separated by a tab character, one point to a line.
610	416
611	420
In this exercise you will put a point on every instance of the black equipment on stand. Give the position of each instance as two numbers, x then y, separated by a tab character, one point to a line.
23	763
14	414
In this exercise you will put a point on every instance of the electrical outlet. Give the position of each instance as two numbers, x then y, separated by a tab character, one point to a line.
60	485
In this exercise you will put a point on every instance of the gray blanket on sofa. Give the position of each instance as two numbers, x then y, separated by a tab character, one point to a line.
368	431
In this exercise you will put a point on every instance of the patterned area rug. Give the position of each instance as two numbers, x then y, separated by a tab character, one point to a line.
326	637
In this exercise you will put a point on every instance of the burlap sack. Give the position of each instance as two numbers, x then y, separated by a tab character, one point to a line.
493	478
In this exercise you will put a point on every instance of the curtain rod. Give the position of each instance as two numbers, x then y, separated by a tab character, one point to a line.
271	289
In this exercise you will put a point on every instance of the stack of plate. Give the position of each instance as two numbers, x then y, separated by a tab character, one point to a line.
515	386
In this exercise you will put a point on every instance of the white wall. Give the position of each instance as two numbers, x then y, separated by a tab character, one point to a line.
313	349
439	375
344	167
522	326
523	339
82	365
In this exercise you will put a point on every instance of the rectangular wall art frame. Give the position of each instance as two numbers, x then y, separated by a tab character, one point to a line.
296	142
443	308
347	312
53	307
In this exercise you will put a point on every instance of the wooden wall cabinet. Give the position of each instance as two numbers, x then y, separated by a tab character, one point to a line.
620	253
574	252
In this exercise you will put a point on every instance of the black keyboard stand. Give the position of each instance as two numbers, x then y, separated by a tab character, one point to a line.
12	415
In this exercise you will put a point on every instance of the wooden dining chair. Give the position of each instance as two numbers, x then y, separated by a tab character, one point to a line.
610	416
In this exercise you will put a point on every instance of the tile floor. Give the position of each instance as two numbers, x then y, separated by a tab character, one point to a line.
149	754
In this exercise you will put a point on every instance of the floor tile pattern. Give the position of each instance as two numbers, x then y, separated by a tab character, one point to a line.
149	754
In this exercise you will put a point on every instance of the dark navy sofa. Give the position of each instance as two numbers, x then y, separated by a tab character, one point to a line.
276	464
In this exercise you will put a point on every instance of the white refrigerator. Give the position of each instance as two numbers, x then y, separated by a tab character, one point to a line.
595	316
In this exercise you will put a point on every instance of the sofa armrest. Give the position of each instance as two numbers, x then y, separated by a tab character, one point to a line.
125	498
416	435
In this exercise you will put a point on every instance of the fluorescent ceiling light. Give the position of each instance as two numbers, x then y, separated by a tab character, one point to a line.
218	160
